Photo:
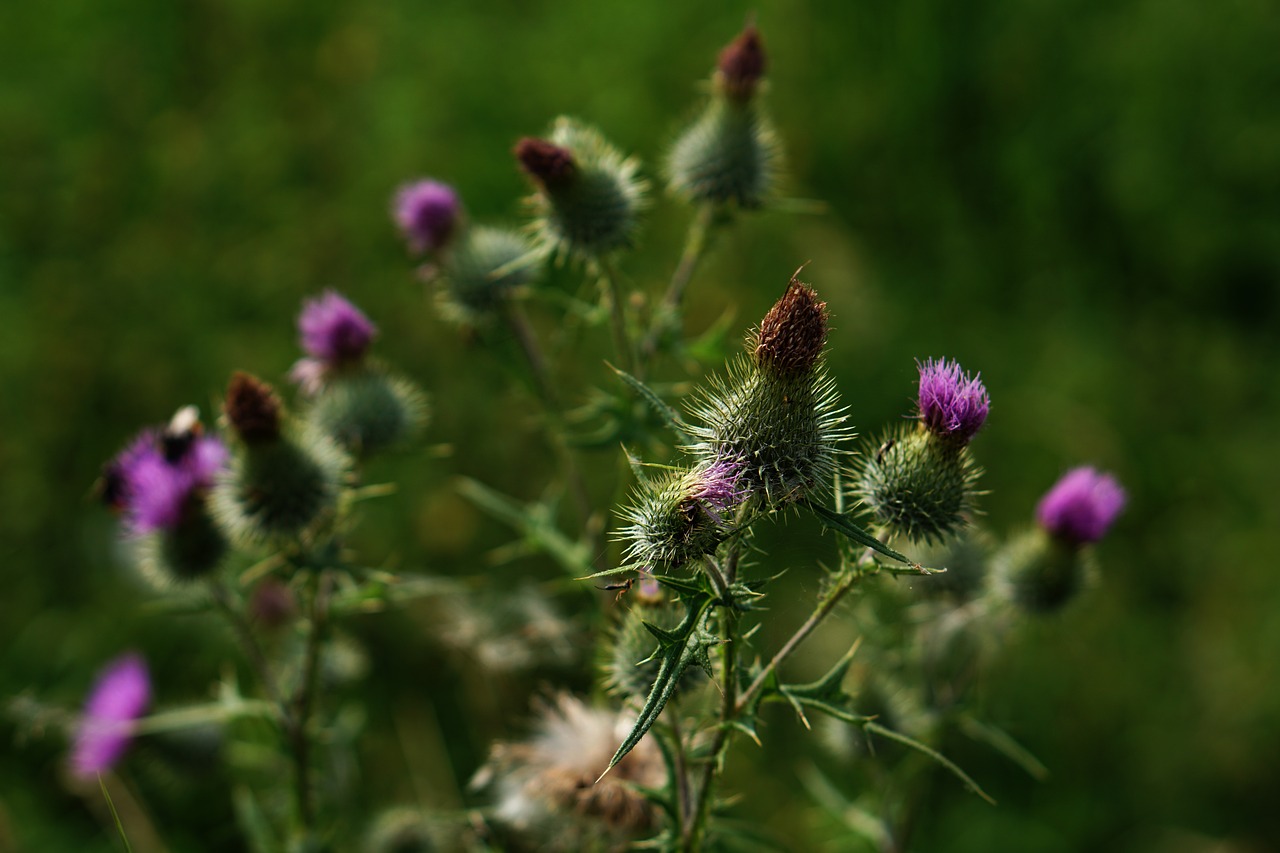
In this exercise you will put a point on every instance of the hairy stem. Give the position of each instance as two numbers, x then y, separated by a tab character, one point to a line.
304	699
222	598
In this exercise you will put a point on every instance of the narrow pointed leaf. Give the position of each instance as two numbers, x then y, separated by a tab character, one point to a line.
535	522
688	647
1003	743
890	734
841	524
669	415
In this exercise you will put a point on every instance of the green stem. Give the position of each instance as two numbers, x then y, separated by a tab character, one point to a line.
695	827
617	315
667	313
222	598
304	700
523	332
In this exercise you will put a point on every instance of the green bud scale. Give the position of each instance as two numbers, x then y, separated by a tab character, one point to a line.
682	515
368	410
191	549
916	486
1038	574
481	270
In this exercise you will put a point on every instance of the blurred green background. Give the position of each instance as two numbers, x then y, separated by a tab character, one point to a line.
1081	199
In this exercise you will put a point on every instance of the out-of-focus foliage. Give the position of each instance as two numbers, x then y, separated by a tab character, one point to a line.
1080	199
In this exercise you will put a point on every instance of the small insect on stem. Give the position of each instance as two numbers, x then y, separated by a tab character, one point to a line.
622	588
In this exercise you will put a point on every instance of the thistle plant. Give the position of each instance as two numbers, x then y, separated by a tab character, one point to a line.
251	518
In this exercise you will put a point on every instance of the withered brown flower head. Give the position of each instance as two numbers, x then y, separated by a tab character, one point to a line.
742	64
548	163
793	333
252	408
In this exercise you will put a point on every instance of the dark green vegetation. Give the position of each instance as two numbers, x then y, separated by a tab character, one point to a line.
1079	199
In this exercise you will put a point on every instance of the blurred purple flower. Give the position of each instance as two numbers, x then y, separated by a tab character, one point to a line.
1081	506
119	697
427	213
332	330
953	405
152	479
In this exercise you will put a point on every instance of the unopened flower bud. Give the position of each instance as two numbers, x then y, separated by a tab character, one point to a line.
589	195
486	267
741	65
428	213
730	154
272	604
368	411
252	409
1038	575
1081	506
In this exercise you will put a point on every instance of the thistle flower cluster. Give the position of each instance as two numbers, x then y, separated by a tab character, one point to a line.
767	436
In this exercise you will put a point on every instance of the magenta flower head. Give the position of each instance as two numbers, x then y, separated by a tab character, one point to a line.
427	213
334	331
120	696
953	404
154	478
1081	506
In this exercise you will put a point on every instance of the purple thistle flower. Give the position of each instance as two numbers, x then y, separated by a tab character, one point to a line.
1081	506
717	484
118	698
953	405
427	213
153	478
333	330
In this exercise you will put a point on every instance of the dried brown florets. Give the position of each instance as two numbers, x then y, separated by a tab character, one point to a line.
252	408
545	161
793	333
742	64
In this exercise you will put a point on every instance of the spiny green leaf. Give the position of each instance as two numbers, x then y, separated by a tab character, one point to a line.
689	646
694	586
669	415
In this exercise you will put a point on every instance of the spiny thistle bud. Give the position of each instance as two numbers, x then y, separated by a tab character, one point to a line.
428	213
1036	574
915	486
284	478
160	483
588	195
368	411
485	267
741	65
253	409
953	405
730	154
1081	506
684	515
777	411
